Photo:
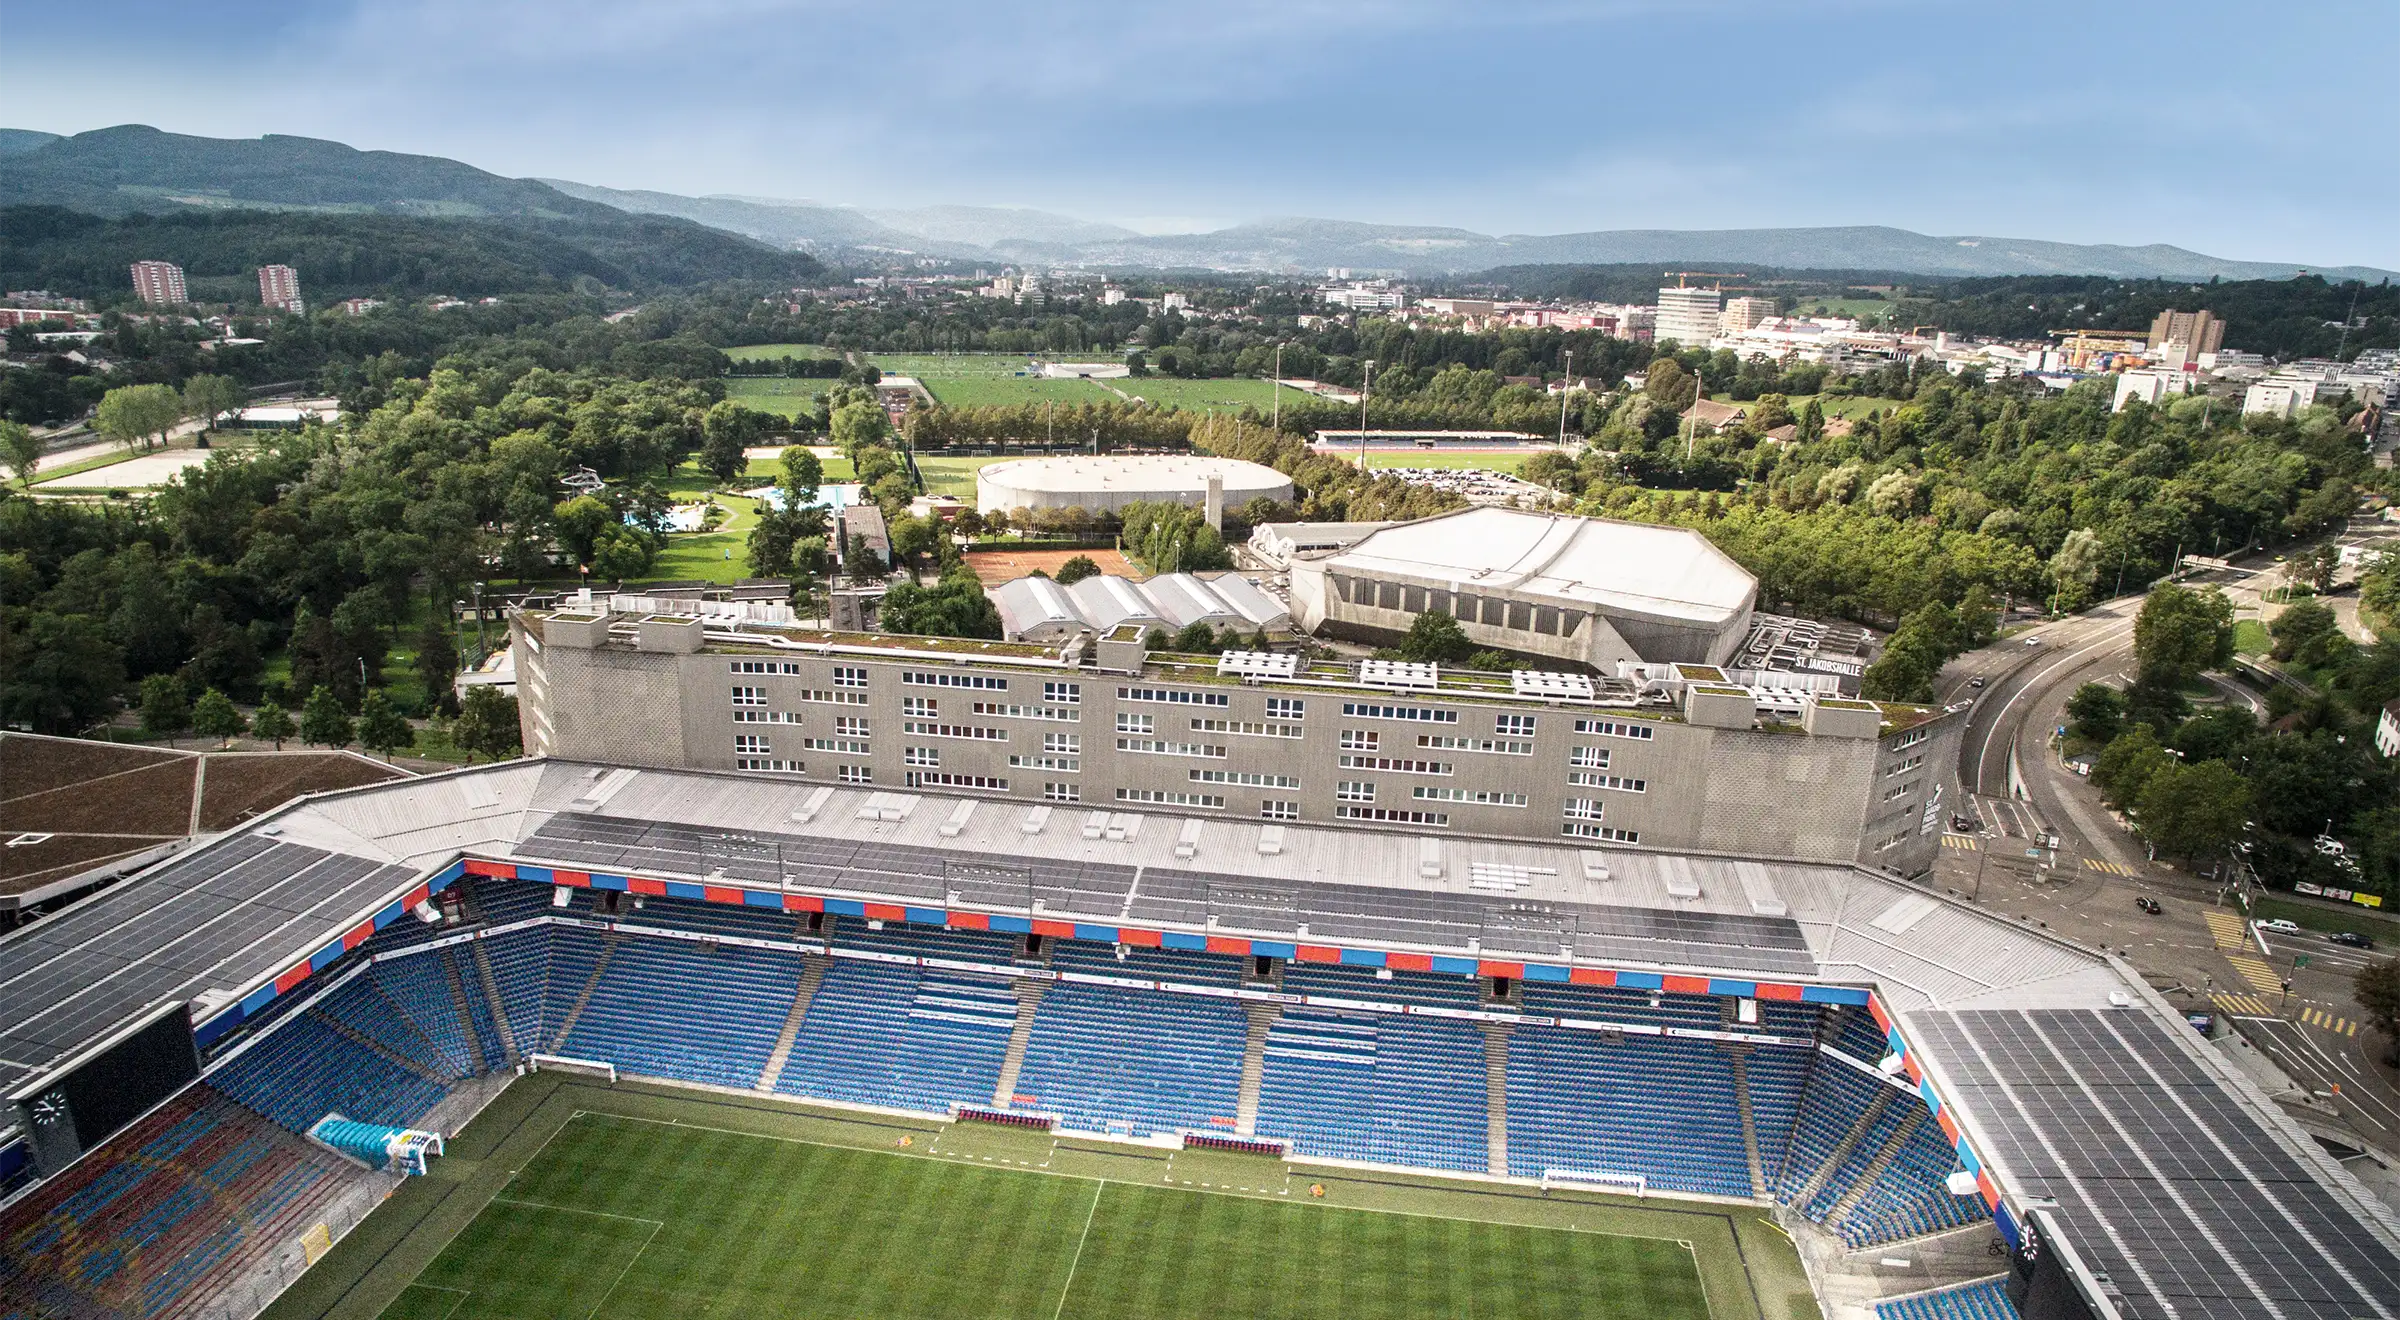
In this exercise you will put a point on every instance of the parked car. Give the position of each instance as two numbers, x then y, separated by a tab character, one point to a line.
2353	939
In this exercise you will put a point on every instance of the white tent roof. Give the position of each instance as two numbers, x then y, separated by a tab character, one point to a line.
1660	571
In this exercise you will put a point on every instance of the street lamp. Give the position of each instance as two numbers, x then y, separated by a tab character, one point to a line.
1565	387
1275	392
1366	382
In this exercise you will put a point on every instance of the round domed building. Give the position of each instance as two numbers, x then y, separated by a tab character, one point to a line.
1104	483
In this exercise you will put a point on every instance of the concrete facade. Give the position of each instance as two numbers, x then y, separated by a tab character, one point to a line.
1152	733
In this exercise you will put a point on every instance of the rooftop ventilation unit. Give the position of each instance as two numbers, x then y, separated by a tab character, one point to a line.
1405	674
1258	664
1544	683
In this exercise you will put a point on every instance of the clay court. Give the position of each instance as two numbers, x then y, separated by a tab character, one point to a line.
995	566
68	806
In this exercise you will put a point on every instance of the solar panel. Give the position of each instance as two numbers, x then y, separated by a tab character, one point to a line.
1258	664
1405	674
1545	683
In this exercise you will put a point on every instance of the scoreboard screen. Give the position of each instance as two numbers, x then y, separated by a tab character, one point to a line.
85	1106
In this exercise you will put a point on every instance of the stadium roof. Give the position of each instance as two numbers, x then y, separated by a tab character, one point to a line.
2072	1088
1663	571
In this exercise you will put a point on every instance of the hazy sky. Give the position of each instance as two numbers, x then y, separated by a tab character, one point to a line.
2236	130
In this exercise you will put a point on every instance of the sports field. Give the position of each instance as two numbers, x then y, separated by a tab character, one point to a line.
788	396
576	1199
1231	394
804	352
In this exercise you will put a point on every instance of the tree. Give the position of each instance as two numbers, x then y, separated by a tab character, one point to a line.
487	724
323	721
1434	638
803	475
2097	713
272	722
580	522
437	666
955	606
727	432
1196	638
1076	570
2127	763
134	414
166	710
213	716
382	728
20	450
2376	989
2192	810
208	398
2076	566
2181	634
2304	633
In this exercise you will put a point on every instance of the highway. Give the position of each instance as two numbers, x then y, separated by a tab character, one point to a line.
2196	950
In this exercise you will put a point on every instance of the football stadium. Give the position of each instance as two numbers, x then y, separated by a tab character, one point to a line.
560	1039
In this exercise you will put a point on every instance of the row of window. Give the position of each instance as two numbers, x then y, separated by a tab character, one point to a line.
1614	783
1246	778
1453	743
1173	696
1481	797
1392	815
1249	728
1171	798
1618	729
1420	714
948	779
1400	765
944	678
1166	747
968	732
1065	765
768	763
1011	711
1576	829
766	717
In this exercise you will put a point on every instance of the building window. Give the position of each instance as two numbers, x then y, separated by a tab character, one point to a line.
849	676
1904	767
1173	697
1585	809
1063	694
1576	829
1420	714
1617	729
924	708
1171	798
1403	765
1513	726
1355	790
1065	765
852	726
765	667
1910	739
765	717
856	774
1392	815
749	744
1069	743
952	779
1595	758
1901	790
1164	747
1482	797
749	696
970	732
1247	728
1061	793
1453	743
764	763
839	746
829	697
1136	723
1010	711
1272	810
1286	708
1360	740
1246	778
921	755
980	682
1614	783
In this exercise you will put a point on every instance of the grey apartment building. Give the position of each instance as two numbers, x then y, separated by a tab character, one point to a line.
1666	757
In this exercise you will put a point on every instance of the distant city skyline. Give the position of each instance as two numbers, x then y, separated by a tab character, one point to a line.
2209	129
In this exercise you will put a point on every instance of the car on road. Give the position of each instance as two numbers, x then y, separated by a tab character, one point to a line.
2281	926
1976	681
2149	905
2033	641
2351	939
1964	824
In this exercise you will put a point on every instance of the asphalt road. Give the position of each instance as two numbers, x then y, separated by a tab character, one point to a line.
2195	950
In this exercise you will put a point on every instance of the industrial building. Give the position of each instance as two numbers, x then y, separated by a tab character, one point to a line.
1106	484
1281	543
1037	609
1690	317
1589	591
1675	757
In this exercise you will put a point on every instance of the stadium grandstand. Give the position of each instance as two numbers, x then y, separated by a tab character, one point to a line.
220	1066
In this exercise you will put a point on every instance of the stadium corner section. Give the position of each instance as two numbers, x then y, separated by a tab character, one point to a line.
1746	1267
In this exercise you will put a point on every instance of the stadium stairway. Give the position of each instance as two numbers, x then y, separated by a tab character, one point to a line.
1740	1060
812	975
1864	1124
379	1049
583	998
499	1006
1495	1095
1254	1066
486	1052
1875	1169
1029	1001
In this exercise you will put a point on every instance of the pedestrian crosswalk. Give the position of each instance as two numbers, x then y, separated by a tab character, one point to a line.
2324	1021
2264	1006
2225	928
1962	842
2261	977
2112	868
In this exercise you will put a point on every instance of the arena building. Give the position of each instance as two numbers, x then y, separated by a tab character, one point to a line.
1674	757
1590	591
1036	609
220	1066
1105	484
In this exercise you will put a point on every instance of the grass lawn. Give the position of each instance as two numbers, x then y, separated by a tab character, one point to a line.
987	391
786	396
1228	395
953	476
930	367
1835	405
2250	637
804	352
576	1199
1510	462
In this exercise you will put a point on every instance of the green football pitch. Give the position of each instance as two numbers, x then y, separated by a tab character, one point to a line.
582	1201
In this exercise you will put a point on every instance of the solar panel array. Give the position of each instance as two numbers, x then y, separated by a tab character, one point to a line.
2165	1183
217	917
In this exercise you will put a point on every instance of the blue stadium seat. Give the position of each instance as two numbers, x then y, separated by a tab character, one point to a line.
1382	1089
1983	1300
1138	1063
881	1034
